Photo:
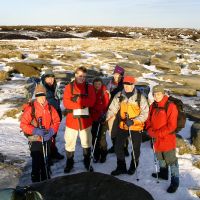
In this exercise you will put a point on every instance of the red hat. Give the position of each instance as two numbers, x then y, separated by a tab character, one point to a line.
129	80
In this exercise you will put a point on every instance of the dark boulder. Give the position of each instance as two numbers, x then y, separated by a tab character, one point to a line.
88	186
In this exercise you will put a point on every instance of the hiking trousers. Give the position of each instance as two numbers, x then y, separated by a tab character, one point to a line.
71	135
121	137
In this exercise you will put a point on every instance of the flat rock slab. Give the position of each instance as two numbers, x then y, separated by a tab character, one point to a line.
89	186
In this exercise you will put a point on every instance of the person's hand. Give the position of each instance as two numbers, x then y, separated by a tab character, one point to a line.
39	132
102	118
129	122
75	98
48	135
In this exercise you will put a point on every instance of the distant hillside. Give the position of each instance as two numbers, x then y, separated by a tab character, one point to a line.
40	32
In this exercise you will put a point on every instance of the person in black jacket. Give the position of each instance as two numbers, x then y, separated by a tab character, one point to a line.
115	86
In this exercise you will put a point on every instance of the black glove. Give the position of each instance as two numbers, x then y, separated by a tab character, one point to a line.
102	119
129	122
75	98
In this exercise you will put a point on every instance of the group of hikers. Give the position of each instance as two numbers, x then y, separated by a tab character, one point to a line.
91	110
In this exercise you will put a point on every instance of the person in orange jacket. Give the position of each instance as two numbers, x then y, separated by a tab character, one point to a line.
39	122
161	125
99	128
78	98
132	115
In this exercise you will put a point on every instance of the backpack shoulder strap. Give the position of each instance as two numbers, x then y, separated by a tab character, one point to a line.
86	88
33	116
72	87
50	110
138	99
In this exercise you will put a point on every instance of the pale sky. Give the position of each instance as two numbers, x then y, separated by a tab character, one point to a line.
142	13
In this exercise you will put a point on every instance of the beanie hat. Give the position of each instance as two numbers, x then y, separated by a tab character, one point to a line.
48	73
158	88
119	70
40	91
129	80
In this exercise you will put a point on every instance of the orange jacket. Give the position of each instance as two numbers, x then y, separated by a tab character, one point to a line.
101	104
161	125
49	120
82	102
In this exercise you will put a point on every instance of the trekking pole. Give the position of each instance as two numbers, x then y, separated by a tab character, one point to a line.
155	161
92	155
44	148
133	154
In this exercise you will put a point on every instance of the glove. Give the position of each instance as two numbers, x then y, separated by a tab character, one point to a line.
75	98
48	135
129	122
38	131
102	119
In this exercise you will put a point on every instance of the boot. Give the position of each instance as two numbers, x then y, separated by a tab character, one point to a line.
132	167
35	177
56	155
126	153
87	159
163	174
103	156
121	168
174	184
69	162
112	149
174	168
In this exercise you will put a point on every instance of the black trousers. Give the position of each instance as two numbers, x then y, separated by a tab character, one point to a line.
101	144
40	171
121	137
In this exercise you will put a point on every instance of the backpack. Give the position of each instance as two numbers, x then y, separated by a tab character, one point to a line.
144	90
141	90
181	121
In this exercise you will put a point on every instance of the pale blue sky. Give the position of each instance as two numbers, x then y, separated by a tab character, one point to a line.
146	13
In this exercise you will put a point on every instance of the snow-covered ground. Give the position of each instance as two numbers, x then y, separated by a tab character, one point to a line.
14	145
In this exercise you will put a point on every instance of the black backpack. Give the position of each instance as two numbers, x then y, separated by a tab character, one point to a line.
181	113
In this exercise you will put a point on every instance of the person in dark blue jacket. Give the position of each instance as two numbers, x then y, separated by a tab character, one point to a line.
53	96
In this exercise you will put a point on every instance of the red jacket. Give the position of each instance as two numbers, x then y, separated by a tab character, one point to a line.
49	120
82	102
101	104
161	126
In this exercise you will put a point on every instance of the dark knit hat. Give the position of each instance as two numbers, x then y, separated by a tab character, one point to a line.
129	80
119	70
48	73
158	88
40	91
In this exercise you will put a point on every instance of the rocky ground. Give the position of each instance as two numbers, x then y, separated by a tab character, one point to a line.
167	56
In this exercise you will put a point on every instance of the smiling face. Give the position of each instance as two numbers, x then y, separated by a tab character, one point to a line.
128	88
41	99
49	80
158	96
97	85
80	76
117	77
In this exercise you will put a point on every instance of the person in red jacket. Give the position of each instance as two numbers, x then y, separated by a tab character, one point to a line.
161	125
98	112
40	122
78	98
